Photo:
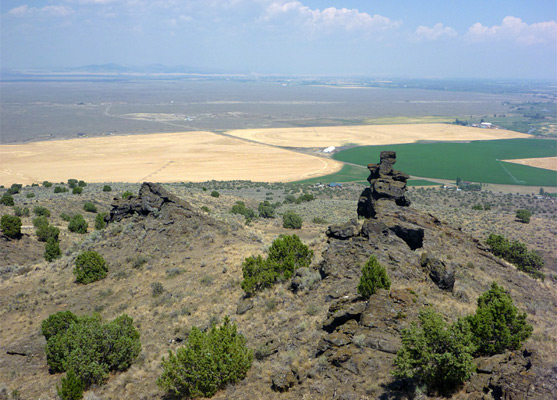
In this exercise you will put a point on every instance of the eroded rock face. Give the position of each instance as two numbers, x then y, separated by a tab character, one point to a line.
152	199
385	184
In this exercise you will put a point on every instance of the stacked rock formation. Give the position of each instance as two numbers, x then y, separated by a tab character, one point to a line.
385	184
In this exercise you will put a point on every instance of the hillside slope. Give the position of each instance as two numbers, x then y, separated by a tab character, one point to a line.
313	336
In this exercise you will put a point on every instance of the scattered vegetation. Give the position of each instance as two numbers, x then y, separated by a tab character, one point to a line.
21	212
41	211
266	210
208	362
440	355
90	207
286	255
240	208
291	220
90	266
78	224
518	254
435	353
7	199
374	276
60	189
52	249
523	215
100	223
497	325
11	226
88	347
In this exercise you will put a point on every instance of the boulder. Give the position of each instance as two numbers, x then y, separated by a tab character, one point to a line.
344	231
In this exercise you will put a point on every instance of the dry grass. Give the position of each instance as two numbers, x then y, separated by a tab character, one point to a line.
370	134
545	162
168	157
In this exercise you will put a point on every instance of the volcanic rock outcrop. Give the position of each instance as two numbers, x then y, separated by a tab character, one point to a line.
152	199
385	184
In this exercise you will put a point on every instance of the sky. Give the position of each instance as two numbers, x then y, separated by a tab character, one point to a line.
389	38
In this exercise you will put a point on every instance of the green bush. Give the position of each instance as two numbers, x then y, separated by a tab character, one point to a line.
374	276
107	188
289	199
291	220
77	190
57	323
523	215
7	199
45	232
39	222
52	249
266	210
517	253
497	325
71	387
65	217
100	223
90	266
436	354
258	274
21	212
78	224
47	184
41	211
286	255
289	253
15	188
126	195
214	193
240	208
88	347
81	183
208	362
304	198
72	183
60	189
11	226
90	207
30	195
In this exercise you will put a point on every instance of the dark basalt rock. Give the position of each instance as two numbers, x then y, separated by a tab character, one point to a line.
344	231
385	184
439	273
152	199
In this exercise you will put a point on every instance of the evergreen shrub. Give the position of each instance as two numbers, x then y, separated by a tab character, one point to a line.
88	347
11	226
90	266
78	224
374	276
208	362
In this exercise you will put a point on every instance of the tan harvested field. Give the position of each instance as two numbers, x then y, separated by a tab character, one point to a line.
544	162
370	134
168	157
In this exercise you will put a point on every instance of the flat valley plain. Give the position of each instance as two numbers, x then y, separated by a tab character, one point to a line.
217	129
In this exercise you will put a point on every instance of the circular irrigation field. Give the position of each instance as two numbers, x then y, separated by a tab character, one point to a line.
476	161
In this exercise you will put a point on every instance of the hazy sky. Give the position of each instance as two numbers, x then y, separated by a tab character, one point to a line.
387	38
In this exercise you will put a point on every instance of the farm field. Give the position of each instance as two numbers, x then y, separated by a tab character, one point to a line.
478	161
170	157
321	137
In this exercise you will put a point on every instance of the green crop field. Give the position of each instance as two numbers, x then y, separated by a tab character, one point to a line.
477	161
